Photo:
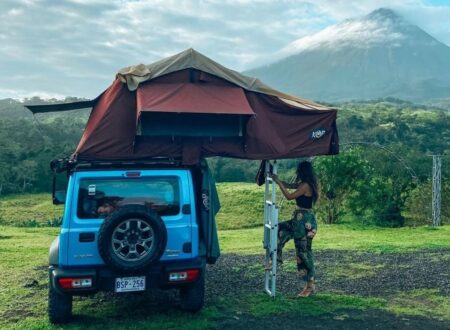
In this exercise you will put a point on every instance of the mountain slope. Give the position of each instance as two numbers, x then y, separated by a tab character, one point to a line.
375	56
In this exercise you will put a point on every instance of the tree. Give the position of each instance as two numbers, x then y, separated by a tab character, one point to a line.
26	173
418	203
339	176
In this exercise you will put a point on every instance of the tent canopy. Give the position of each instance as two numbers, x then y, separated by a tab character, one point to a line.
192	98
188	106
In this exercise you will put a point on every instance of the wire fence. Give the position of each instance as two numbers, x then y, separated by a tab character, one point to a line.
427	203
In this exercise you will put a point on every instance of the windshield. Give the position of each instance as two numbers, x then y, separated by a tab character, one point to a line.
98	197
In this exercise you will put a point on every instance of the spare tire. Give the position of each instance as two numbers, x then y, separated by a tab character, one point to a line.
132	238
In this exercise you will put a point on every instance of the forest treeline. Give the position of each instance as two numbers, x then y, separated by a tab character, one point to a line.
382	175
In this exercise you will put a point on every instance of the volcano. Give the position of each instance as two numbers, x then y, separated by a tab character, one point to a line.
376	56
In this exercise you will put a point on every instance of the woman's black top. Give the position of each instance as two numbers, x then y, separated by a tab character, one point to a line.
304	202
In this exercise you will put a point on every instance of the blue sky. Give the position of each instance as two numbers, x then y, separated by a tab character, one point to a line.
55	48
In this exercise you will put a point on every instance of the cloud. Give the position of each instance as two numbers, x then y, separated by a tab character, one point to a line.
21	95
75	47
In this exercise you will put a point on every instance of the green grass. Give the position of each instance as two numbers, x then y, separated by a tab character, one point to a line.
31	210
352	270
347	237
23	258
424	303
243	206
319	304
23	255
421	303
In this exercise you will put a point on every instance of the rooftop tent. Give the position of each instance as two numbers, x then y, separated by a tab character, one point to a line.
188	106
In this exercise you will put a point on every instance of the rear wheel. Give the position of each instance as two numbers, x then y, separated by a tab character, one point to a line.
59	306
193	296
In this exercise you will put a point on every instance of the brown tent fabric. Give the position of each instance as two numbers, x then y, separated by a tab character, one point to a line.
277	125
192	98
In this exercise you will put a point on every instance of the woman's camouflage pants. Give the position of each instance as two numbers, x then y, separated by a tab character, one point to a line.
295	229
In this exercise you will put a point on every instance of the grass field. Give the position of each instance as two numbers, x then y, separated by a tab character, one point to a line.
349	257
30	210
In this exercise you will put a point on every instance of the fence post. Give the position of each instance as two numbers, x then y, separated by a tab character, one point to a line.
436	196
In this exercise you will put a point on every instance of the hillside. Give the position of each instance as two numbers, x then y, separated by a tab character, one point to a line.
375	56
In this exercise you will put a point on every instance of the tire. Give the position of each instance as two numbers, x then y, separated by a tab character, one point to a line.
131	225
193	296
59	306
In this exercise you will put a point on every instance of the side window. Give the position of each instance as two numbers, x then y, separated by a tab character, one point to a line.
97	198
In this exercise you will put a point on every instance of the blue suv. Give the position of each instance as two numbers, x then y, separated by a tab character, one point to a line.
129	228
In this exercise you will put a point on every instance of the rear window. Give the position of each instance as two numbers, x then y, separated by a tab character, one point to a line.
97	198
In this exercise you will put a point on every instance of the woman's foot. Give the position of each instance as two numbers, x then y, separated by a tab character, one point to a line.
309	289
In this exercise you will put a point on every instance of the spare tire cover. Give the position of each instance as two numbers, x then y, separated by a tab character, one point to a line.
132	238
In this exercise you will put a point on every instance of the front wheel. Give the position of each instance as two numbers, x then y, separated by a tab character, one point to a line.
59	306
193	296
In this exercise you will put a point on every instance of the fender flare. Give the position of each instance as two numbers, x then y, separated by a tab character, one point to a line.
53	254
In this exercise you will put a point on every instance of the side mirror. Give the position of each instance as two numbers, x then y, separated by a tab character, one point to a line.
59	197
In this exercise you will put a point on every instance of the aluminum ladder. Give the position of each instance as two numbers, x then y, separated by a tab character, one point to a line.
270	230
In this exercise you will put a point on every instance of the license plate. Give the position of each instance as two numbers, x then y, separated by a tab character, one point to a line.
130	284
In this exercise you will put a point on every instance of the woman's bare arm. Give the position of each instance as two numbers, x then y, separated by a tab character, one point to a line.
288	185
302	189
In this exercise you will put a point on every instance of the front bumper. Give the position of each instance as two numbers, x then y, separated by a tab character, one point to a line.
103	278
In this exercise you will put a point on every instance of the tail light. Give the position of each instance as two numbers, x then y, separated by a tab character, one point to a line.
75	283
184	275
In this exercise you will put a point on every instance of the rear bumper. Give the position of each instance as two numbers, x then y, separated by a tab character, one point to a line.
103	279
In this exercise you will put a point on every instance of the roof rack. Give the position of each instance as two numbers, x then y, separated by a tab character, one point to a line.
66	164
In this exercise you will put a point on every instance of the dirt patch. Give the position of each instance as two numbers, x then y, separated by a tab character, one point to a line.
345	319
378	275
30	283
17	314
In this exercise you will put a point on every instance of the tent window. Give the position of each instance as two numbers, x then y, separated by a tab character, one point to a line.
192	124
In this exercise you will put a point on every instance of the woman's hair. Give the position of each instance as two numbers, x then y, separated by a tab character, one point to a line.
305	173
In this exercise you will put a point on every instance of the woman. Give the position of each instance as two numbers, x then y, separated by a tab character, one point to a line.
303	226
